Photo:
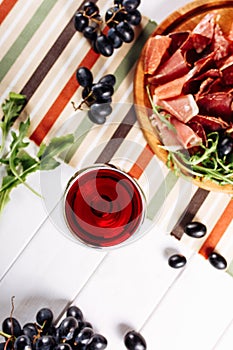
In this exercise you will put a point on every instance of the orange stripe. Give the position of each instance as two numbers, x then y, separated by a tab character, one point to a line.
218	231
141	162
61	101
5	8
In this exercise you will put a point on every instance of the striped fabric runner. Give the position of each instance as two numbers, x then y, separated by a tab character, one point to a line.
40	52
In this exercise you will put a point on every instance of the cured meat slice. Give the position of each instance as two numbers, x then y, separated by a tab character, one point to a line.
171	89
217	104
175	67
168	136
193	85
209	123
220	45
178	38
227	72
182	107
154	51
203	33
199	130
185	134
201	36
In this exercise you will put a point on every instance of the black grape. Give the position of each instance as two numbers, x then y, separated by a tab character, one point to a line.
98	342
96	118
125	31
90	8
102	91
11	326
46	342
134	17
108	79
130	5
75	312
101	109
30	330
44	317
84	76
90	33
23	342
80	22
134	341
67	327
104	45
83	336
114	38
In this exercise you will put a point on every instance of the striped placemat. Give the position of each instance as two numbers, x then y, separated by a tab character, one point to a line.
40	53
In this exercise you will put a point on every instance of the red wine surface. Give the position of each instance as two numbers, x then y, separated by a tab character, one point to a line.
103	207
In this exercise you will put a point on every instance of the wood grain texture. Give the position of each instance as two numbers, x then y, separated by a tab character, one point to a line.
185	18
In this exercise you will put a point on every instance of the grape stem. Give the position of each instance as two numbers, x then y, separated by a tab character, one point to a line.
8	336
121	9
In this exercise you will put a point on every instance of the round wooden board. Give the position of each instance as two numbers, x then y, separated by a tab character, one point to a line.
185	18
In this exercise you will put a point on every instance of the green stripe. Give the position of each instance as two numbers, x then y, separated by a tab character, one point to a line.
230	269
133	54
24	37
120	73
158	199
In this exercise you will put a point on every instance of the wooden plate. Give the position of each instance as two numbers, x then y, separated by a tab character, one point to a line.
186	18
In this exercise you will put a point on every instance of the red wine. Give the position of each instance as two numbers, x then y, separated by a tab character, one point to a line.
103	207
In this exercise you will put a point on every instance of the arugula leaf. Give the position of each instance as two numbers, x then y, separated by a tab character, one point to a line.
206	163
156	110
56	147
11	109
17	162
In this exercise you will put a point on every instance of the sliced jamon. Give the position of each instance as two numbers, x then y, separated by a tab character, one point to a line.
155	49
227	72
217	104
193	85
199	130
201	36
209	123
175	67
168	136
178	38
220	45
171	89
182	107
203	33
185	134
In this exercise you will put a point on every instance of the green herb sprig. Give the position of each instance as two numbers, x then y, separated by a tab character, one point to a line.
206	163
16	162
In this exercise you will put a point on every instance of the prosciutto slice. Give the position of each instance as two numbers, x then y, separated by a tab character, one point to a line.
175	67
186	135
156	48
182	107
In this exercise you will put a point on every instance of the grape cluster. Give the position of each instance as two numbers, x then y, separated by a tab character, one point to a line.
119	19
97	96
72	333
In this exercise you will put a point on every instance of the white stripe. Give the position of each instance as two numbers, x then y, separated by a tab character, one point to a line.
20	14
31	57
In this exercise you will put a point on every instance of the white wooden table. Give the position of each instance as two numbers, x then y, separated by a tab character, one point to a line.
129	288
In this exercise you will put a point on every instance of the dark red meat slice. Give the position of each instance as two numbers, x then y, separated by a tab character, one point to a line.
178	38
193	85
199	130
210	123
217	104
227	72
